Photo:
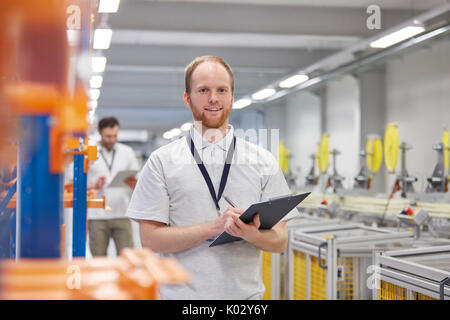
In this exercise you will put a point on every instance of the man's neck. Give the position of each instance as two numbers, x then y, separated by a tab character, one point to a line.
213	135
106	148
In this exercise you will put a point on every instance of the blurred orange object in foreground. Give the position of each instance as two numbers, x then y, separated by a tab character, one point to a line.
134	275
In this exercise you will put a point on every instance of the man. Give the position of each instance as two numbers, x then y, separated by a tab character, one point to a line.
179	214
113	157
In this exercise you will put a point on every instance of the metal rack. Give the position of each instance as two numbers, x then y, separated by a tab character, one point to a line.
413	274
330	262
274	265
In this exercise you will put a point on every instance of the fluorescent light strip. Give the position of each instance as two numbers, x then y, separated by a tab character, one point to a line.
397	36
108	6
263	94
242	103
186	126
73	37
175	132
93	104
167	135
98	64
94	94
293	81
96	82
102	39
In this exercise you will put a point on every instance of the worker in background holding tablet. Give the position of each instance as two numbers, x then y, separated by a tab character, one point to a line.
179	198
113	157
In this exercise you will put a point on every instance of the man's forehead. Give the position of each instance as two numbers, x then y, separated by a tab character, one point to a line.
110	129
210	72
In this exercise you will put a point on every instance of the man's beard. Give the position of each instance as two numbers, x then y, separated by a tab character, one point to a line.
211	122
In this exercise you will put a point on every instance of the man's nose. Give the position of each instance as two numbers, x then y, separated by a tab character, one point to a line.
213	97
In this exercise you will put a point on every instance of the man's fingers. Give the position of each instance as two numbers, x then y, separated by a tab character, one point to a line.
256	220
238	222
236	210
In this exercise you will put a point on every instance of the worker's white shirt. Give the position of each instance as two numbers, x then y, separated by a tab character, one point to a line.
121	157
172	190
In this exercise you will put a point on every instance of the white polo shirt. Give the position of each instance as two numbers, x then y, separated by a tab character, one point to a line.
108	164
172	190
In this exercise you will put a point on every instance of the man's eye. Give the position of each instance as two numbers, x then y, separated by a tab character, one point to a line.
203	90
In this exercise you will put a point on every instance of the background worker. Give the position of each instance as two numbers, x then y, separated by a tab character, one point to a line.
179	214
113	157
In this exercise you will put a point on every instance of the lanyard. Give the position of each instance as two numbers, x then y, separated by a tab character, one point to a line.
201	166
109	165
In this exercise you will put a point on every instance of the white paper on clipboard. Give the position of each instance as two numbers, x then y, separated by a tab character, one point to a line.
118	180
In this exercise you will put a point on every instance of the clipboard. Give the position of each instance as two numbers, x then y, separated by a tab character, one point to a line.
270	212
117	181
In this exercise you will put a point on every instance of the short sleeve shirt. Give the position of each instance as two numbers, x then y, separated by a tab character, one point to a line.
108	164
172	190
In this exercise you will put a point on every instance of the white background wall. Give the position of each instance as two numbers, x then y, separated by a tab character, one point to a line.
342	123
302	131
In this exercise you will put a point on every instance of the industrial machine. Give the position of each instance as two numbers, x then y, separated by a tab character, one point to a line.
412	274
330	262
335	180
403	181
371	159
312	179
274	265
438	182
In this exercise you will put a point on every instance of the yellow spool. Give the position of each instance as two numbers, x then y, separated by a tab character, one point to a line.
445	141
374	151
323	153
391	146
283	157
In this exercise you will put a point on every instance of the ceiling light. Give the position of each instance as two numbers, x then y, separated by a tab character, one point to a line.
94	94
93	104
186	126
397	36
102	38
293	81
108	6
175	132
73	36
96	82
263	94
167	135
98	64
242	103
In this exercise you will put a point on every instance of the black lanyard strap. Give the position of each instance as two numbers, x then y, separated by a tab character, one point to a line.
201	166
109	165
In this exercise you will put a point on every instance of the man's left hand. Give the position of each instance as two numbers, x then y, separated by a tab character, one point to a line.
247	231
131	182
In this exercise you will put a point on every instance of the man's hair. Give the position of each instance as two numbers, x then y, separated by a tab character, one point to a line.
199	60
108	122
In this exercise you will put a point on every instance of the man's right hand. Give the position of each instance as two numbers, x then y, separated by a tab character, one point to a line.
100	183
224	220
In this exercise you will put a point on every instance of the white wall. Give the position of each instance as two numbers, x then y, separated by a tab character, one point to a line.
418	100
302	131
342	123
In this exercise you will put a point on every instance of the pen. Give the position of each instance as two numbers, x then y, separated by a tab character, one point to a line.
230	202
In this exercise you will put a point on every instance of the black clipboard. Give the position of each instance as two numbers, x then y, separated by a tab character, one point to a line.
270	212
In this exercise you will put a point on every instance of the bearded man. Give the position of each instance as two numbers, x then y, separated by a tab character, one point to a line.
178	197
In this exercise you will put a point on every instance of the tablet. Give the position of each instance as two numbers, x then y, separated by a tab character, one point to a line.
118	180
270	212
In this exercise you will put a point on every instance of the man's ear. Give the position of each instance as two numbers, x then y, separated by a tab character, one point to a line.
187	100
